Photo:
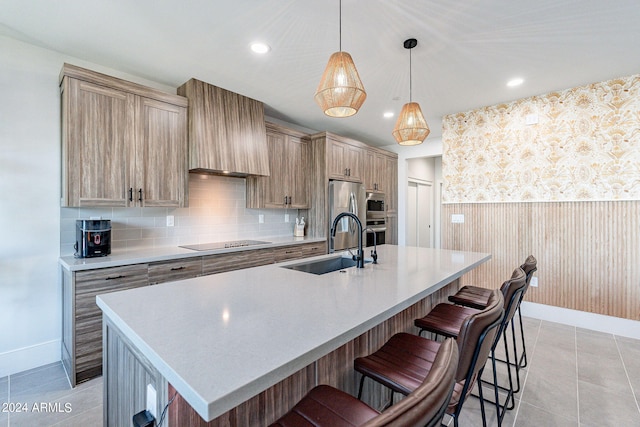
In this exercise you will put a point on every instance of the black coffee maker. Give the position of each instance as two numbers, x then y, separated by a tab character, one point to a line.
93	238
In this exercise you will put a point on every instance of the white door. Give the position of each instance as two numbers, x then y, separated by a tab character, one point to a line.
419	214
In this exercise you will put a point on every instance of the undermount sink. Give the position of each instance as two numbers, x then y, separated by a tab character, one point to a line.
324	266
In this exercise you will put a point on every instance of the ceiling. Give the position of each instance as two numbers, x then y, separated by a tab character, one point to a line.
466	53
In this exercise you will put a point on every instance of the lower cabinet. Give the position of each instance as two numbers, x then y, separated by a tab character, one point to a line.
82	318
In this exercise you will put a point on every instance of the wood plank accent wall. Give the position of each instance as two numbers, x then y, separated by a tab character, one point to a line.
336	369
587	252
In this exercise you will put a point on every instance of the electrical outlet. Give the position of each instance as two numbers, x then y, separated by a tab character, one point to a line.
261	219
170	220
457	218
286	217
151	400
534	282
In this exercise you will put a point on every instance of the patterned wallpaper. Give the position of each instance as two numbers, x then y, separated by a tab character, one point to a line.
584	146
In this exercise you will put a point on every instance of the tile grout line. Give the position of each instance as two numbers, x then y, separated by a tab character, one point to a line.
524	380
575	342
624	366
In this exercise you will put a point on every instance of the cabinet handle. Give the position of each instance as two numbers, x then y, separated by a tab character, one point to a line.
285	200
131	194
346	172
115	277
349	172
140	195
289	200
178	268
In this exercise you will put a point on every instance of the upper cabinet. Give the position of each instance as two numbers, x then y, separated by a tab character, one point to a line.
375	171
226	131
344	161
289	162
123	144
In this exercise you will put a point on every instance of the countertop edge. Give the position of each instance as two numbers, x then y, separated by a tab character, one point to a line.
137	256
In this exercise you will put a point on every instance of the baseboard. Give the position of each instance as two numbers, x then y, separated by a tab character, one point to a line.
22	359
582	319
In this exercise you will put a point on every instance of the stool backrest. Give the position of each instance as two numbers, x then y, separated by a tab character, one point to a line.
530	266
512	291
477	334
426	404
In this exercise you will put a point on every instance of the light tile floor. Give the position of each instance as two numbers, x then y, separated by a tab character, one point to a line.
575	377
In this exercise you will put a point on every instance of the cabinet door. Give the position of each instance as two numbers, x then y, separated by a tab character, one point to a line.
161	154
381	175
391	235
368	170
345	162
88	317
97	124
275	185
298	152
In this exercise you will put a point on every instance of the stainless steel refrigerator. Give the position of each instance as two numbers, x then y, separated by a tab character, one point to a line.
346	197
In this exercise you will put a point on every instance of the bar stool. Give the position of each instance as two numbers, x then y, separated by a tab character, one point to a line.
403	362
447	319
476	297
330	407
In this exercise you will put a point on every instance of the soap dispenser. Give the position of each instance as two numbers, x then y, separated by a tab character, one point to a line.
298	231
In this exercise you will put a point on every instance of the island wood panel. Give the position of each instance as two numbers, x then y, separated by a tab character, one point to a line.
127	373
587	252
335	368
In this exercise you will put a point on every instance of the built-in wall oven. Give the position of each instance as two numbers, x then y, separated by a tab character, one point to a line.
375	220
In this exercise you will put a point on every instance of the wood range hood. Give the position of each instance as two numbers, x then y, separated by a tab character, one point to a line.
227	133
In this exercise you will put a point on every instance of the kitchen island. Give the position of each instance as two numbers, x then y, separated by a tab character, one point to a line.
242	347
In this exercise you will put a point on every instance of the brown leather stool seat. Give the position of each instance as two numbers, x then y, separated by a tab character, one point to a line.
447	319
476	297
330	407
405	359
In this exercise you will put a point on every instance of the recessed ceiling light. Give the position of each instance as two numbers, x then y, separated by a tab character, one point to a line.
515	82
259	47
388	114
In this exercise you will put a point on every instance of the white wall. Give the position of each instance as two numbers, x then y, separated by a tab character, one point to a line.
30	213
432	147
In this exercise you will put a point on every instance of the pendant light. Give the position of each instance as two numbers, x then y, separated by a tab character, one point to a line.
411	127
340	92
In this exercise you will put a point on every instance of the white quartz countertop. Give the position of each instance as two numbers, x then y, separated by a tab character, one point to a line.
141	255
222	339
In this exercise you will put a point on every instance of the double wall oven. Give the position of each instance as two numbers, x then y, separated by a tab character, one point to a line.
375	219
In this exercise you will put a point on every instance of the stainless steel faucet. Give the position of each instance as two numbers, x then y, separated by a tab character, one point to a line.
359	257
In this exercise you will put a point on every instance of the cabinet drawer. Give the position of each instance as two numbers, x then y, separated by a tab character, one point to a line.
213	264
287	253
102	281
313	249
167	271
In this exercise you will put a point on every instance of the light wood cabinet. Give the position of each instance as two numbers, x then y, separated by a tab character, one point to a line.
345	161
82	319
289	163
179	269
375	171
329	155
226	131
123	145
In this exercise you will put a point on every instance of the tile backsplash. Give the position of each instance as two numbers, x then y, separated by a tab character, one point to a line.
216	213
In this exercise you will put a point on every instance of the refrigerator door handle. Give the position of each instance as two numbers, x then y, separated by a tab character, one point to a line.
354	210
